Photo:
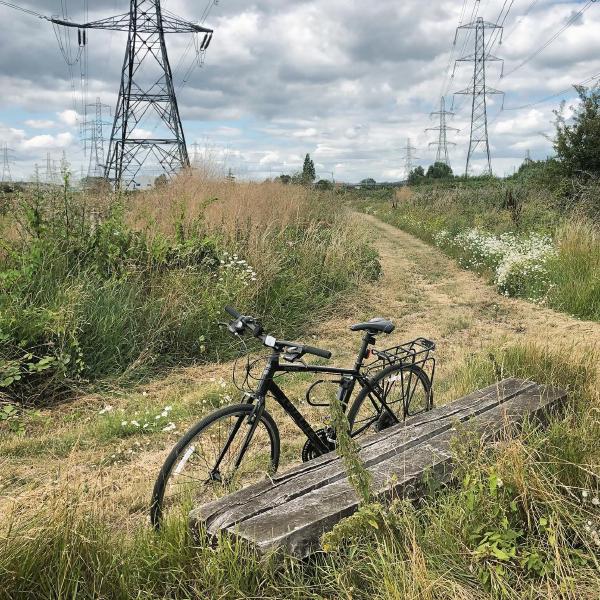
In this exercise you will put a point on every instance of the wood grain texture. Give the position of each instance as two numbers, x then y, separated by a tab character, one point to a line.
294	509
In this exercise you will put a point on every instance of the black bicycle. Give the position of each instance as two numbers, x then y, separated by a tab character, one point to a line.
239	444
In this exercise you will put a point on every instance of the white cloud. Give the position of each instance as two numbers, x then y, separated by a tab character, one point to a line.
39	123
69	117
344	80
48	142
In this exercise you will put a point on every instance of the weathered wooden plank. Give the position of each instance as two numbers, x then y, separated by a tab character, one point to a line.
294	510
326	469
297	526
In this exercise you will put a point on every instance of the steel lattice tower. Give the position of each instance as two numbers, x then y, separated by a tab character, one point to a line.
6	160
479	91
94	128
409	157
146	88
442	129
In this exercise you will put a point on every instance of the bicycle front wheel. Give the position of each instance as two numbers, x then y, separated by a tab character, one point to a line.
216	456
396	393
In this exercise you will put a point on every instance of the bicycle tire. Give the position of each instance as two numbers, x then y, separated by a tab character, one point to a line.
157	508
426	397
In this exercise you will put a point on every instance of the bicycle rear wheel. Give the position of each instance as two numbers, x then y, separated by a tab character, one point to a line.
209	461
396	393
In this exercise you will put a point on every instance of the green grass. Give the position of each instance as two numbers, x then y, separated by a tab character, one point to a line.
517	522
567	279
86	298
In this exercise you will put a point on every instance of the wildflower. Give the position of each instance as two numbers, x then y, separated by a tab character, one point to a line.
169	427
584	494
124	423
144	393
135	423
596	501
107	408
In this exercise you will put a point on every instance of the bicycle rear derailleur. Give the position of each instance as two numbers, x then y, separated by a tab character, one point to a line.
327	436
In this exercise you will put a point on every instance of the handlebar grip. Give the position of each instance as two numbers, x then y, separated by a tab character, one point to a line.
232	312
317	352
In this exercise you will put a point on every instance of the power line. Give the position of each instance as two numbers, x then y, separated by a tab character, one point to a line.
131	148
520	20
561	93
474	15
538	51
498	33
24	10
452	49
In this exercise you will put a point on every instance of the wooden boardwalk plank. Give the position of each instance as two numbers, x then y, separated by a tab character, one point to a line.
326	469
293	511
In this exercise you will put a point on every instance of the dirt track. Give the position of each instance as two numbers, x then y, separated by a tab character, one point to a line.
426	293
421	290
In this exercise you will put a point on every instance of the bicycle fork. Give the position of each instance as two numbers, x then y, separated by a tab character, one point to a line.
253	420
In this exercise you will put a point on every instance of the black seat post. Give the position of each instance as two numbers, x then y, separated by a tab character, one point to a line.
367	340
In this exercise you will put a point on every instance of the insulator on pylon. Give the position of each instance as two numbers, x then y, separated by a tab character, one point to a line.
208	42
203	44
79	36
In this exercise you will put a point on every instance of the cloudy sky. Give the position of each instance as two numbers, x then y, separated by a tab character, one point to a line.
346	80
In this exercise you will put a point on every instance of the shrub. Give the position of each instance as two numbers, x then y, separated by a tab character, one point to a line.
90	289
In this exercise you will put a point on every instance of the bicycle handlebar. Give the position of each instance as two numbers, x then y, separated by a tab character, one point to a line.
232	312
256	330
317	352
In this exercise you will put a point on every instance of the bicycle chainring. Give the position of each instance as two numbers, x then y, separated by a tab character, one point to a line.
326	435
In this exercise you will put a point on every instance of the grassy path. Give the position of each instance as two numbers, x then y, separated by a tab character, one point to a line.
79	448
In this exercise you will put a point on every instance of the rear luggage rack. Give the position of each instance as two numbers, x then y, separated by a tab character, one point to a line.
417	352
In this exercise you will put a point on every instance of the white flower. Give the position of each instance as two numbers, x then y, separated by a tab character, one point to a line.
596	501
585	494
169	427
124	423
135	423
106	409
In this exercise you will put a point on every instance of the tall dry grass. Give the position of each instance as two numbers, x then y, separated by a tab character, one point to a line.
139	282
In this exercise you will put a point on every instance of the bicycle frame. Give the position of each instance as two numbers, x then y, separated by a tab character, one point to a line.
268	386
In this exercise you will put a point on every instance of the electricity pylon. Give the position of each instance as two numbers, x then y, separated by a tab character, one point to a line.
6	160
146	88
409	157
442	129
478	90
50	175
94	129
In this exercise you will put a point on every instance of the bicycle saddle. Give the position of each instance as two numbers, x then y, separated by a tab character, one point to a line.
376	325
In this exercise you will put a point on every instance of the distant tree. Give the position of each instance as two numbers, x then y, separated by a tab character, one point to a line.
324	184
308	170
416	176
368	181
161	181
577	140
285	179
439	170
